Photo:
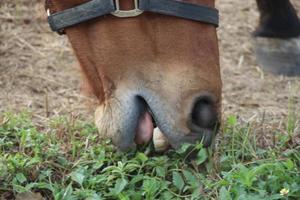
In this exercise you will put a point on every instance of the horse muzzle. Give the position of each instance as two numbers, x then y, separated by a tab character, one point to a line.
138	118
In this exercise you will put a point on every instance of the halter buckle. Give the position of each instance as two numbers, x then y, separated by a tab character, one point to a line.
127	13
48	12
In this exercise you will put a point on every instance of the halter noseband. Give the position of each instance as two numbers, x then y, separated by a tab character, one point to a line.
96	8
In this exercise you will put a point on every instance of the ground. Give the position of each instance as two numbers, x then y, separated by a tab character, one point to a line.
38	70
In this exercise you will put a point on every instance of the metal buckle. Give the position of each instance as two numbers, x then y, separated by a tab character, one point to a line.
48	12
127	13
60	32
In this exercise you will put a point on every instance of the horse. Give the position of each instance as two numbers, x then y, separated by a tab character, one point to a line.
153	65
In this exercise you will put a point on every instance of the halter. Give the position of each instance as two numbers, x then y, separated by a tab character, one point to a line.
59	21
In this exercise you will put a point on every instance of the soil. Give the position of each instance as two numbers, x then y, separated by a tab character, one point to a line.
38	71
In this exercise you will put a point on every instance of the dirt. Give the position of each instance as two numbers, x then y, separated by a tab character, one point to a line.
38	71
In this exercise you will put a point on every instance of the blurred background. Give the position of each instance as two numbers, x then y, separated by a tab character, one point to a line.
38	71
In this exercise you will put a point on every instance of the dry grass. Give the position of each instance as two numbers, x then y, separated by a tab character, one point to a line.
38	70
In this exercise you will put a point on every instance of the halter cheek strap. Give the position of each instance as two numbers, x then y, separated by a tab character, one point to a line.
96	8
181	9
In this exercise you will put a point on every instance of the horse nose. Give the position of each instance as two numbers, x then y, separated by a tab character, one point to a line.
204	113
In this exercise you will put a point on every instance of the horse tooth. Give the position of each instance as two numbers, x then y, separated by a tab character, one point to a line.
160	141
99	119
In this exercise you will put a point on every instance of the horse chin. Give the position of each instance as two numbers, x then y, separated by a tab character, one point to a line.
144	134
117	124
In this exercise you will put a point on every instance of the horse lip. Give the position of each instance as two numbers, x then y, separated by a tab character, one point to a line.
174	137
206	135
153	118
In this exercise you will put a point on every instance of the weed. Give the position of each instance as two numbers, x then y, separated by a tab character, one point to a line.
67	160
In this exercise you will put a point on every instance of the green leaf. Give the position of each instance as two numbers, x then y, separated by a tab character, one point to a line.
62	160
231	120
20	178
33	161
142	157
160	171
289	164
201	156
78	176
65	194
190	178
94	197
184	148
167	195
119	186
136	179
151	186
19	188
123	196
178	181
224	194
196	193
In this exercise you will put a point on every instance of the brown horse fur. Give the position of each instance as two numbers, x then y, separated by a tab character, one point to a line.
160	62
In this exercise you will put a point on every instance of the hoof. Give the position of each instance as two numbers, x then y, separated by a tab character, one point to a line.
278	56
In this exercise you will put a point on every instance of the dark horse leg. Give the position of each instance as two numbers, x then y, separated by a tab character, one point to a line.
278	19
277	37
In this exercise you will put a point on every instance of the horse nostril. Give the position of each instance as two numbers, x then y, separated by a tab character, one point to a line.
204	113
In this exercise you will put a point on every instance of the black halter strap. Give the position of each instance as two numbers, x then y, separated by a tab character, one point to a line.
96	8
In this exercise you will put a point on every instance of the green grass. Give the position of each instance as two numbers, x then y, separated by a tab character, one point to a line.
66	160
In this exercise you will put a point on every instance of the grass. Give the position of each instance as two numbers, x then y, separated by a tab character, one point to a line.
65	160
